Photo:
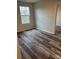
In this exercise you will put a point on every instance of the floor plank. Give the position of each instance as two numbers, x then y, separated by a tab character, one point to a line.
39	45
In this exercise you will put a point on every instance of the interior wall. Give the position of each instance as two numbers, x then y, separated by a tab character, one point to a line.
45	15
20	26
58	20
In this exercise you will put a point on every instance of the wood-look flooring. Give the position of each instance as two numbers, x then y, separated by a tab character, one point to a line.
36	44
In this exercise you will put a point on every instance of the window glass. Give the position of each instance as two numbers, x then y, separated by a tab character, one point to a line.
25	14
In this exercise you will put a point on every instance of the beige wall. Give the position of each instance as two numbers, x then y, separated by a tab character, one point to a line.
20	26
58	20
45	15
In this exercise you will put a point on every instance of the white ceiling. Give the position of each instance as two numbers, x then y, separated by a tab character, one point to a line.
33	1
29	1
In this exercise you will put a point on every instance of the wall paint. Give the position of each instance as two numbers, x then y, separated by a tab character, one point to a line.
20	26
45	15
58	20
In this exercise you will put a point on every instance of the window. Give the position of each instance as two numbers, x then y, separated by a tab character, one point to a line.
25	14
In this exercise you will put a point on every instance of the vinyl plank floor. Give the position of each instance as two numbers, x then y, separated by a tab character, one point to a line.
39	45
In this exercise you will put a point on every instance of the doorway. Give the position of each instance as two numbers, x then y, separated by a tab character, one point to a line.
58	20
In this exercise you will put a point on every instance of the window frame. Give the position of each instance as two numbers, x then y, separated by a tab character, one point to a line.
25	15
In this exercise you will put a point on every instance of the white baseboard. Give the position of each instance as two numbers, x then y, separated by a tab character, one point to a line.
46	31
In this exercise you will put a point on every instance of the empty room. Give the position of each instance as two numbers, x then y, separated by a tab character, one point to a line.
39	29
